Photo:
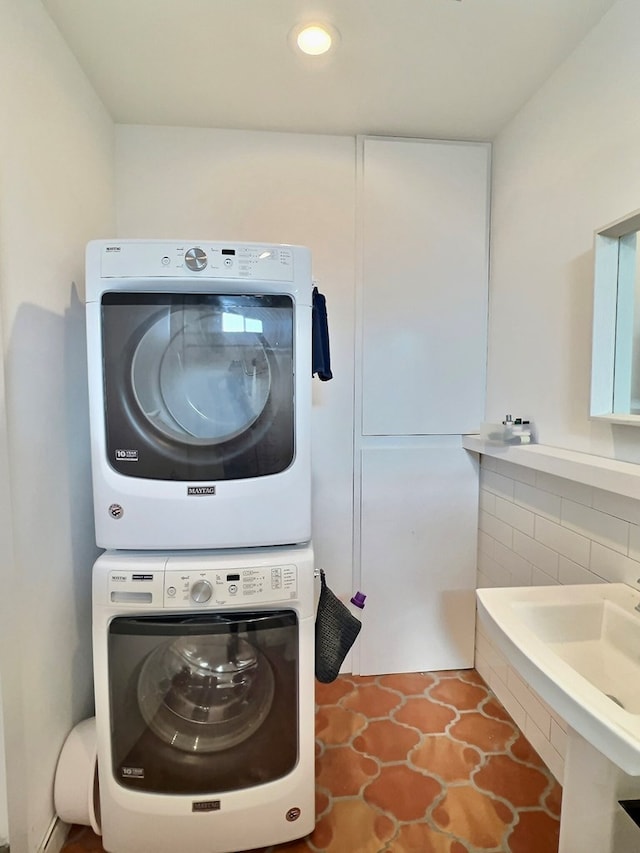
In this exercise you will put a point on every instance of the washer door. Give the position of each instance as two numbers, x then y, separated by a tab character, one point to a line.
203	704
198	387
205	693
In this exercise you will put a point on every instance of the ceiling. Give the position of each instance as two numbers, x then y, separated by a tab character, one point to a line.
428	68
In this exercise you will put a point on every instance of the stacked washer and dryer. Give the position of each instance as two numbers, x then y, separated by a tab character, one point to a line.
203	603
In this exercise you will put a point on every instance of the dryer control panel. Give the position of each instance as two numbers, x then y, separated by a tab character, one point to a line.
159	259
199	588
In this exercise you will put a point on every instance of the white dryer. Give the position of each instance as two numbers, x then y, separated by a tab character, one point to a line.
204	692
199	360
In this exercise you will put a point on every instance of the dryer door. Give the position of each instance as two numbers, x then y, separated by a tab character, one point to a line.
198	386
201	704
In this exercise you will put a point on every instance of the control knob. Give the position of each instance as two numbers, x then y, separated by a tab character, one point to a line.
195	259
201	592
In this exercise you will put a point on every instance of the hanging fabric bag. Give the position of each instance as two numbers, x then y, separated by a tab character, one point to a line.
336	631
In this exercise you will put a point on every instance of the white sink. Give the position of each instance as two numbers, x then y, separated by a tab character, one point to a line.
579	648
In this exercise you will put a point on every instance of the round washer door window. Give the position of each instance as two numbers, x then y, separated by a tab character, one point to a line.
203	703
206	693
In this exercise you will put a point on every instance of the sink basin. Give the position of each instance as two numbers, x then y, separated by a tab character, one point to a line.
579	648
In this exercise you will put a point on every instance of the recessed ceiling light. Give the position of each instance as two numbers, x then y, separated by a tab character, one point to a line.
315	39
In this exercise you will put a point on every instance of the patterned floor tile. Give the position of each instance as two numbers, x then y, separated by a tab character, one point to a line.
424	715
82	839
352	825
469	675
466	813
536	832
386	740
521	785
330	694
418	763
403	792
409	683
415	837
460	694
494	709
553	800
342	772
323	802
487	734
523	751
372	701
446	758
335	725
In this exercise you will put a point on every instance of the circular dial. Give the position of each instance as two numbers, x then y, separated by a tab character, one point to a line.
201	592
195	259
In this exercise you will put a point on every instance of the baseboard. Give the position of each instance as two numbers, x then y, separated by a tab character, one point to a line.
55	837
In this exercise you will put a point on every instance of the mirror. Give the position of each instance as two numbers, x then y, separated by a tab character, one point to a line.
615	367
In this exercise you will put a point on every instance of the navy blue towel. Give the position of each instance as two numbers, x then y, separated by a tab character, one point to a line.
320	355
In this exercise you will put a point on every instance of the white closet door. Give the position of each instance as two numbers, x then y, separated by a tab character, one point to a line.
419	512
424	234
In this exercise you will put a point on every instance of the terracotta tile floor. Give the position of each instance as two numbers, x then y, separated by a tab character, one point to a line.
418	763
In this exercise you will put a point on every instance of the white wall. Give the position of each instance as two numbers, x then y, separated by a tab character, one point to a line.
257	186
566	165
56	192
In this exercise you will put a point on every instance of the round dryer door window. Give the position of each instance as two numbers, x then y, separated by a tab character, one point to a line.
198	386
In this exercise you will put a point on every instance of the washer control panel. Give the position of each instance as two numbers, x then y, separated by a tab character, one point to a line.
137	588
225	587
204	588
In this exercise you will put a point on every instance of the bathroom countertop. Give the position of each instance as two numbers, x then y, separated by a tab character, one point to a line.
612	475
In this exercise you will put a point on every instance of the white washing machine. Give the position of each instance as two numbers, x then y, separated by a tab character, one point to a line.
199	360
204	692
